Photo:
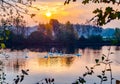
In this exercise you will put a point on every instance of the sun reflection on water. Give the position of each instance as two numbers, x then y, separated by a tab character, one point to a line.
64	69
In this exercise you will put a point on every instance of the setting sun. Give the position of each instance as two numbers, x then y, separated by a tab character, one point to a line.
48	14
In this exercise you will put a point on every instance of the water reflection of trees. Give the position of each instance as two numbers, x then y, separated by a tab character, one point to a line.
15	64
56	61
117	48
88	55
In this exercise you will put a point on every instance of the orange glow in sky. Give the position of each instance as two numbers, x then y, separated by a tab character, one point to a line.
73	12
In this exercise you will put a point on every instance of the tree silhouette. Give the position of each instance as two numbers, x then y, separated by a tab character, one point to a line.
117	34
103	16
16	7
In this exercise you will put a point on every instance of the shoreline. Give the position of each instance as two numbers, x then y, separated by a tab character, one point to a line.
61	45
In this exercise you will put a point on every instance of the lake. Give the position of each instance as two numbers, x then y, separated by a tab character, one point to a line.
65	70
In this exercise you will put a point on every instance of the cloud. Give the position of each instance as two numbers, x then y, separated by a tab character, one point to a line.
74	12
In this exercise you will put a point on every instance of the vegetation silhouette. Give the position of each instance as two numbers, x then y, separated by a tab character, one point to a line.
104	60
3	79
103	15
55	34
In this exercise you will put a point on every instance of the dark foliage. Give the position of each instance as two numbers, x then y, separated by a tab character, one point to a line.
103	16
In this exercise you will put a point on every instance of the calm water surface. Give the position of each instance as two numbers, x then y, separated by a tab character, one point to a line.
65	70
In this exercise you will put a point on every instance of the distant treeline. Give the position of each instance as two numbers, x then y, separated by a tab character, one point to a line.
55	34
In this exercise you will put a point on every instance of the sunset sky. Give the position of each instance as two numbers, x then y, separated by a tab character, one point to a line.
75	12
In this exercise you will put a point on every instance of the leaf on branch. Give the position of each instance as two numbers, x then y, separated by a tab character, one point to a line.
33	15
67	2
85	1
74	0
105	79
97	64
118	15
112	53
103	71
103	17
112	16
108	69
3	45
87	68
90	73
95	1
81	80
7	32
84	74
104	55
22	78
92	68
99	76
96	11
96	60
76	82
109	10
103	58
113	1
107	60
